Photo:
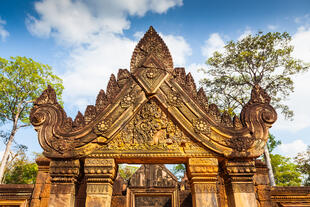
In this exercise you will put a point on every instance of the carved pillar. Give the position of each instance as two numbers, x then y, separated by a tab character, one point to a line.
100	174
64	175
41	191
239	183
202	173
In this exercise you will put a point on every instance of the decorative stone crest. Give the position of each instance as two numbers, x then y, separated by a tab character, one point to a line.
151	44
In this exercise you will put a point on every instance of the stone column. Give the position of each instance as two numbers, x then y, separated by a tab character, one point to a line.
202	173
41	191
239	183
100	174
64	175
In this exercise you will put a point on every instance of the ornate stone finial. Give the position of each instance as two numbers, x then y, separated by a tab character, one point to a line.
47	97
90	113
151	44
190	85
113	88
258	95
79	120
101	101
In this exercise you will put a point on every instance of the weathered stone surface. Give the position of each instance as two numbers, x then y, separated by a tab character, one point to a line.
203	173
240	186
291	196
152	79
152	114
100	175
41	192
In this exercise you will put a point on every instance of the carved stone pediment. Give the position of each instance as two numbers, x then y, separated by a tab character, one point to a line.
151	133
153	110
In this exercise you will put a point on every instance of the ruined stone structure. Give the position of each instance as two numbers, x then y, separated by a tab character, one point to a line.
152	114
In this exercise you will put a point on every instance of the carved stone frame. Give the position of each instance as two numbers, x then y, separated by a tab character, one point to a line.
133	192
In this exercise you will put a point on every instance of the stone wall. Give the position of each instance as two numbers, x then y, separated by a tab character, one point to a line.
155	181
15	195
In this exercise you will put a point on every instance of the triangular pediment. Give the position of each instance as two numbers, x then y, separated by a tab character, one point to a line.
152	131
153	175
153	110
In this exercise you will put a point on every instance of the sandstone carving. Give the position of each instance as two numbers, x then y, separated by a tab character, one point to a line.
139	107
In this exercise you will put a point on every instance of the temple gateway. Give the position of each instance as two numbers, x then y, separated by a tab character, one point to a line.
154	114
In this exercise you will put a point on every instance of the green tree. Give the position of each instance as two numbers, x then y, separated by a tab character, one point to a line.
126	171
178	170
285	171
22	80
303	163
20	170
272	143
263	59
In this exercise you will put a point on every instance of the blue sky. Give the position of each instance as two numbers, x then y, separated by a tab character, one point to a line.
86	41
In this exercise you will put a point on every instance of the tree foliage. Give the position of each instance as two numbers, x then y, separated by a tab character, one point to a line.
20	170
285	171
303	162
22	80
264	59
126	171
178	170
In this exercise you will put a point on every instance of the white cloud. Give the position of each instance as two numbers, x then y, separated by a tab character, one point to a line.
214	43
195	70
90	67
1	154
178	48
301	43
300	99
93	33
272	27
293	148
3	32
247	32
76	22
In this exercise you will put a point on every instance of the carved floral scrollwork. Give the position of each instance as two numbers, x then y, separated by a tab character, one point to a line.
174	99
151	73
103	126
151	130
241	144
202	127
128	100
62	145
